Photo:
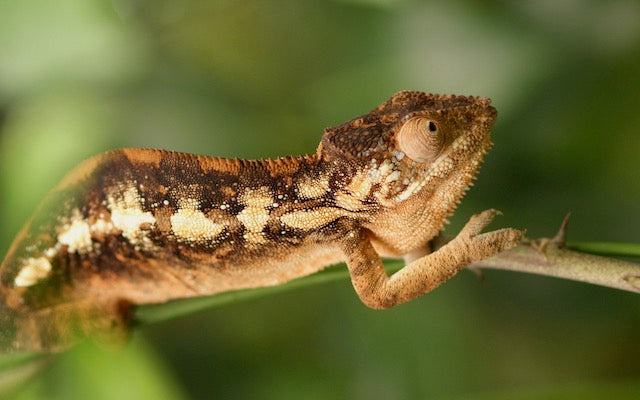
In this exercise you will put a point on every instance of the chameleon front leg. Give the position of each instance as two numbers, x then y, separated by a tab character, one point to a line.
378	290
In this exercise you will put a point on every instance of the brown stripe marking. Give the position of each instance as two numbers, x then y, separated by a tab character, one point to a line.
145	156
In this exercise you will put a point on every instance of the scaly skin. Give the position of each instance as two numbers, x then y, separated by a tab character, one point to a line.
139	226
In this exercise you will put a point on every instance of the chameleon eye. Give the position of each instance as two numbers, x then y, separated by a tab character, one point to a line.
420	139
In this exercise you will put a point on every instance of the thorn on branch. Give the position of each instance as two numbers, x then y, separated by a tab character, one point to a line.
560	239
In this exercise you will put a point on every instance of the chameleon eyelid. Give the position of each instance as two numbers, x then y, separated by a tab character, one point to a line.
420	139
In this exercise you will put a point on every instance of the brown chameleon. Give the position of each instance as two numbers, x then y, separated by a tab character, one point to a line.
140	226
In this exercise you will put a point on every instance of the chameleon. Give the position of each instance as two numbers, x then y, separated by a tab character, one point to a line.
142	226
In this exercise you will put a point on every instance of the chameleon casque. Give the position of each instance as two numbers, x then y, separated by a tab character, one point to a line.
140	226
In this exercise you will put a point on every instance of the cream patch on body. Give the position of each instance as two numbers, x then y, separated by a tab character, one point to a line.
386	168
255	214
410	190
347	201
360	186
76	234
102	227
310	219
127	215
33	271
311	188
190	224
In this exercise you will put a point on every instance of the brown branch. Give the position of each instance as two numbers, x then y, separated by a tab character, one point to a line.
550	257
562	263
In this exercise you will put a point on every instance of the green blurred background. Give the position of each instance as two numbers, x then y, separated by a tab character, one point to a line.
262	79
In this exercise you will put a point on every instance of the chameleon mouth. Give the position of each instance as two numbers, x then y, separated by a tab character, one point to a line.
471	145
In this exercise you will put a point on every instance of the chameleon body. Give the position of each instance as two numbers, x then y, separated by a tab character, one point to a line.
140	226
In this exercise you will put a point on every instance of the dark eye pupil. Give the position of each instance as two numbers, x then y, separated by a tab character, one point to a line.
432	126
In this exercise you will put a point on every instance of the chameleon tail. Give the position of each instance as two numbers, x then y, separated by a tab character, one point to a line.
58	327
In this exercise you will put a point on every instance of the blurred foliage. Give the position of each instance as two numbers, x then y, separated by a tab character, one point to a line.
262	79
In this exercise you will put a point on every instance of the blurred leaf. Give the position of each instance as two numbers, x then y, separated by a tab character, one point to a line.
587	390
87	372
607	248
43	42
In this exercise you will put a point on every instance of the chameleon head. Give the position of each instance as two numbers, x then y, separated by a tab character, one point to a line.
415	141
441	142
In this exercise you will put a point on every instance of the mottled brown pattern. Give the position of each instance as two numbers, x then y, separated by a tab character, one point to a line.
139	226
